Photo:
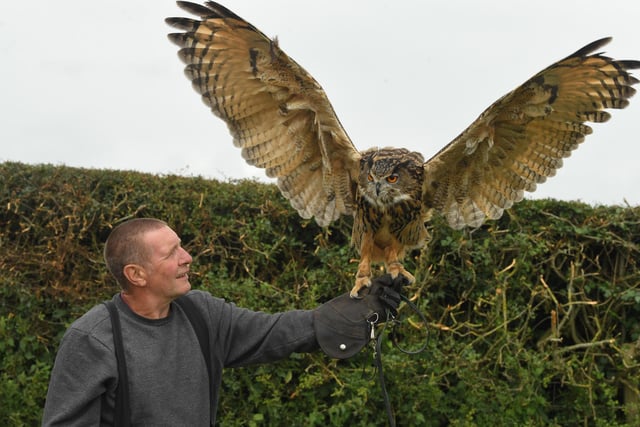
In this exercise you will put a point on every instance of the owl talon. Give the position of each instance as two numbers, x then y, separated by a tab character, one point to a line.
396	268
361	282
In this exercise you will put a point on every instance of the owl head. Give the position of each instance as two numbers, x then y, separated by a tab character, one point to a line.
390	175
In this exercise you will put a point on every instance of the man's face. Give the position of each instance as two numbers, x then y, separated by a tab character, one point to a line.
167	264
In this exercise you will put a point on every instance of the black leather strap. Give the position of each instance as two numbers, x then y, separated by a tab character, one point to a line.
202	332
122	410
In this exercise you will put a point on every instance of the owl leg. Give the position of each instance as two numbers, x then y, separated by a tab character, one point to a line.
394	267
363	275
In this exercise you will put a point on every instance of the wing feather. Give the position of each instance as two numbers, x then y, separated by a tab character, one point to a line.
521	139
275	111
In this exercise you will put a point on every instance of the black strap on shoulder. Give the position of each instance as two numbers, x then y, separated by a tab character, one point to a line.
122	415
200	328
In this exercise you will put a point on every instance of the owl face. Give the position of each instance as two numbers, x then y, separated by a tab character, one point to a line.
389	176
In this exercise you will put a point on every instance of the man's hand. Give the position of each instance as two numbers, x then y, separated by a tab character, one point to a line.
343	325
388	291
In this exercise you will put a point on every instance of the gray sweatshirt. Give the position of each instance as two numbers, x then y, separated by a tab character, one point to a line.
168	381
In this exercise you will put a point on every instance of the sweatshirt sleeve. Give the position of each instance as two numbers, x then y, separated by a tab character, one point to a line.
247	337
84	369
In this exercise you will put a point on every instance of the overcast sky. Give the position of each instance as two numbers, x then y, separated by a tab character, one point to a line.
99	85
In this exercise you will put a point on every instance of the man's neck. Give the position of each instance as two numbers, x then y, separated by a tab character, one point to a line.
146	306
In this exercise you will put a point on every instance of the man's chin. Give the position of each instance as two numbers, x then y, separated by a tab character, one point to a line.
184	288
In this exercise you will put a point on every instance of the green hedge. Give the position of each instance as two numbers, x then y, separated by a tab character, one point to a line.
533	319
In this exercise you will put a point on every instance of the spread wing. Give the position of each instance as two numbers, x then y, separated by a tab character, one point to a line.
522	138
276	112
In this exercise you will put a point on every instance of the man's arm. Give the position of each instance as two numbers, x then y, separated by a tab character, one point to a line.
340	327
245	337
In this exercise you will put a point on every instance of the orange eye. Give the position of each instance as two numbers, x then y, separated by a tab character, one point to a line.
370	178
392	179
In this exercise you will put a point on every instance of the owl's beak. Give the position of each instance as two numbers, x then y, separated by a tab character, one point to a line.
377	189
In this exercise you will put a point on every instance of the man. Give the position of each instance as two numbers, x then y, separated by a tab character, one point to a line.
168	378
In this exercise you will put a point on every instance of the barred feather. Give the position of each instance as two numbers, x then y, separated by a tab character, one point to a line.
275	111
521	139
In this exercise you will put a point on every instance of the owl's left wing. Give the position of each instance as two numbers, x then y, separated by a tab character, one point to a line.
276	112
521	139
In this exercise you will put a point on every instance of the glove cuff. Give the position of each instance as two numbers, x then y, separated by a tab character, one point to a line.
341	326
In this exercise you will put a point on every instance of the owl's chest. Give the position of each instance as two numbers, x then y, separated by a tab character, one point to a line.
401	225
386	222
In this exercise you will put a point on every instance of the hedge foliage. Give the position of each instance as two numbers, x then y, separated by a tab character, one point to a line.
532	319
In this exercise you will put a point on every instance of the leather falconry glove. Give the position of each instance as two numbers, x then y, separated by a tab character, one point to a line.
343	325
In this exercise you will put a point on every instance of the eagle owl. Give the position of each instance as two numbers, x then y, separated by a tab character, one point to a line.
283	121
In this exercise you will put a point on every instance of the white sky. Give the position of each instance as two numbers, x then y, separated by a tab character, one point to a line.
99	85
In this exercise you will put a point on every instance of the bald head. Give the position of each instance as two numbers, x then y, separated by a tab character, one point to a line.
125	245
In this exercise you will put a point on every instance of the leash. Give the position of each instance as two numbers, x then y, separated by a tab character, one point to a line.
377	351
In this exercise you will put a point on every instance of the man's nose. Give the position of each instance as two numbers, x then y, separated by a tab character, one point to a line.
186	258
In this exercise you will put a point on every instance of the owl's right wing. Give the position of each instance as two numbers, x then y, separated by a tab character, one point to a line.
521	139
275	111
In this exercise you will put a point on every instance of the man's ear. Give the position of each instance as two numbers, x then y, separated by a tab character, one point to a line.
135	274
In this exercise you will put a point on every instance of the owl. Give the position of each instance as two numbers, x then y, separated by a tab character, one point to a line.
283	122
